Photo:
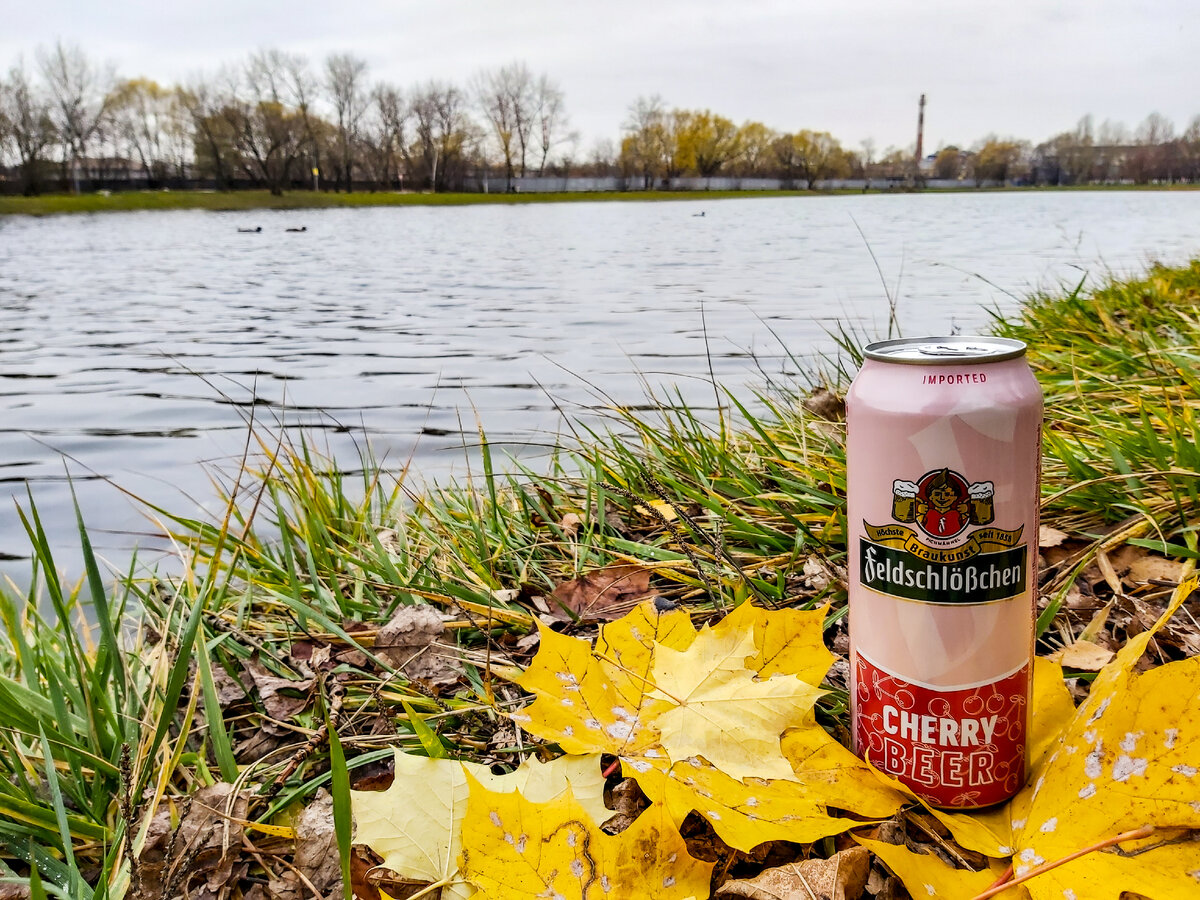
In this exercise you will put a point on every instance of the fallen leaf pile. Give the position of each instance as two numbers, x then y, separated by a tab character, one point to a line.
718	730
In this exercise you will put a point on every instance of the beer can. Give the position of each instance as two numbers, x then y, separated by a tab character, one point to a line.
943	468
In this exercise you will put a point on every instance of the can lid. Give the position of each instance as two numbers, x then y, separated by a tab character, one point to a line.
954	350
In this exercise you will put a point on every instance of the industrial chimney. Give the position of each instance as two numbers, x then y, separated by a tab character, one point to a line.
920	133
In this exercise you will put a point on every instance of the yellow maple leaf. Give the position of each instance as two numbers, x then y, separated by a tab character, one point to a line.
790	642
834	776
719	709
588	701
744	813
925	875
514	849
1127	760
654	685
416	824
627	646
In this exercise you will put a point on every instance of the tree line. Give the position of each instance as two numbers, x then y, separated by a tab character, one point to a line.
273	121
277	121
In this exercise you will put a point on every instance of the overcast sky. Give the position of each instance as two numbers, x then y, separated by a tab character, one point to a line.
1025	68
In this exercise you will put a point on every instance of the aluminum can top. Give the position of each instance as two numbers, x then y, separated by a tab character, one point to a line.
955	350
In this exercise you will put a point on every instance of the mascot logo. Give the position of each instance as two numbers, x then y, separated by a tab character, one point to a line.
942	504
939	561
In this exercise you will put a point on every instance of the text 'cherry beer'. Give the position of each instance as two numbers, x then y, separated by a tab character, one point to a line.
943	463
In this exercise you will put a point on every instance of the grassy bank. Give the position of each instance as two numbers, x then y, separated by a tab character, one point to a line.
225	684
234	201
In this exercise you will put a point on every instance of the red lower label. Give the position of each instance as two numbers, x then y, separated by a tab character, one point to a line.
963	748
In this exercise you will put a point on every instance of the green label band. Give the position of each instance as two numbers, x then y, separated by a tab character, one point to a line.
983	578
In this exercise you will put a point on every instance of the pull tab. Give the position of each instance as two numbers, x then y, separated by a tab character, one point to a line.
943	350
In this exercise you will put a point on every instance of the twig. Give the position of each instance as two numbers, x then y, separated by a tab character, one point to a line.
1004	878
717	544
675	533
337	695
1136	835
646	682
135	869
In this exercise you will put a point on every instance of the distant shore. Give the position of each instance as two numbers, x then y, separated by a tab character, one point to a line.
234	201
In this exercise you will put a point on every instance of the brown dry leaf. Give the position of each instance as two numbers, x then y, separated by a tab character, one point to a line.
209	838
279	706
825	404
841	877
362	862
229	689
570	525
602	594
1050	537
1083	655
816	574
1150	567
1108	571
316	857
612	517
1075	598
409	643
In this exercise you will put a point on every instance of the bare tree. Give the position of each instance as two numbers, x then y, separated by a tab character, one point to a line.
602	158
507	99
551	115
868	151
212	138
82	94
304	88
26	128
646	145
142	113
384	133
1191	148
345	75
1112	145
268	135
445	134
1156	129
1151	156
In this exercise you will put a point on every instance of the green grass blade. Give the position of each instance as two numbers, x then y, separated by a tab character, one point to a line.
342	819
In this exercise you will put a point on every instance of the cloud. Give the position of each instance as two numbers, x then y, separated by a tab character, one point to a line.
1026	68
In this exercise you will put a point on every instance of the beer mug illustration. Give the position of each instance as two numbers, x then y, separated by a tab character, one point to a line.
982	507
904	501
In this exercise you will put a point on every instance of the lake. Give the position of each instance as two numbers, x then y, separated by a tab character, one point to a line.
134	346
